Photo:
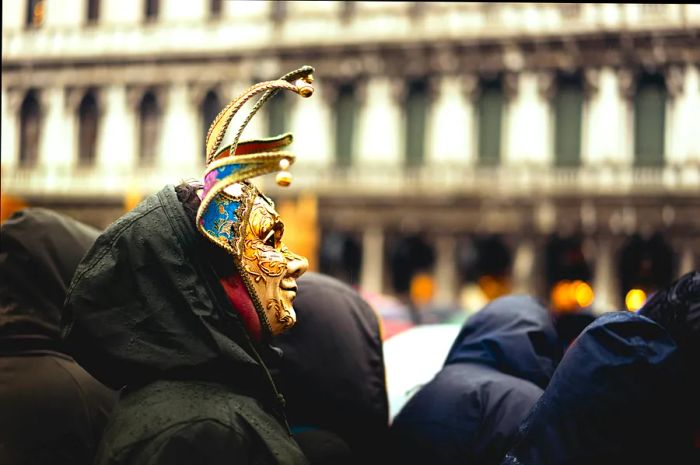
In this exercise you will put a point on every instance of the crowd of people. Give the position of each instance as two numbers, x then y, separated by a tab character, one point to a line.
151	371
188	333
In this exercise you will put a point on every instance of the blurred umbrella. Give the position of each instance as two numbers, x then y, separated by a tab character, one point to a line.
412	358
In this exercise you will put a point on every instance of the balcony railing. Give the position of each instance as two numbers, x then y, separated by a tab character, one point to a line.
389	180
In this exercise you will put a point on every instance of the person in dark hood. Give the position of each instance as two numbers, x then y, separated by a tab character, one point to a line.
495	371
332	374
177	304
625	391
51	410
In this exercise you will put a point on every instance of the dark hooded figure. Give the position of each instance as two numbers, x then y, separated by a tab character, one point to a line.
332	374
51	410
625	391
495	371
179	301
151	310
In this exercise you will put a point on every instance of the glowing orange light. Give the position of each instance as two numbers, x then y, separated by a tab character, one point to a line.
38	14
569	296
634	299
132	198
493	286
583	293
422	288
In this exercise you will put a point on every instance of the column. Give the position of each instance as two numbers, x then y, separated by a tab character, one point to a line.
372	260
527	124
451	124
312	125
524	267
184	12
117	139
691	98
11	104
446	271
125	12
687	260
13	16
607	135
57	146
179	150
604	281
380	124
682	143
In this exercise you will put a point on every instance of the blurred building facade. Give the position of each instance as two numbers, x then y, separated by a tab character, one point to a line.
515	145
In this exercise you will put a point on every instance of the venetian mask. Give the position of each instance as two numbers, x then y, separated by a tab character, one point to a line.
270	266
237	217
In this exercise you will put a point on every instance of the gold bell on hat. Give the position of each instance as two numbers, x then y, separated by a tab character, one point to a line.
284	177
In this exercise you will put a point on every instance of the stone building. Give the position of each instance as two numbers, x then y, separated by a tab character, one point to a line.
529	142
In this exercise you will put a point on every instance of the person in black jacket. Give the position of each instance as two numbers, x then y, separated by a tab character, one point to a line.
332	374
177	303
495	371
625	391
51	410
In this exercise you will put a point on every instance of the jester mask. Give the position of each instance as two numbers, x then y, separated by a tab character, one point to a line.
237	217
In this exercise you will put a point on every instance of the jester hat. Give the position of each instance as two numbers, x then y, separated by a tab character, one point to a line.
222	216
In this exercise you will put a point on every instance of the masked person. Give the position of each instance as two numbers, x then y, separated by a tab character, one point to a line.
625	391
177	303
494	373
333	376
51	410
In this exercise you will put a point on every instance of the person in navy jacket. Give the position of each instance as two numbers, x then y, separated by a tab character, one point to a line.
494	373
626	390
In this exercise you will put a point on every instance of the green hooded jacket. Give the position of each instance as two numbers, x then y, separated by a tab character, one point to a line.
145	313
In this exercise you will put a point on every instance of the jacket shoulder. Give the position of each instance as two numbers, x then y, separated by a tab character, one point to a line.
193	422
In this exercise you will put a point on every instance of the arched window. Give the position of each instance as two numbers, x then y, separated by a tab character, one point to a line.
87	130
416	107
647	264
649	120
93	11
151	9
215	8
35	13
209	108
277	114
278	11
30	127
149	129
490	113
568	108
345	108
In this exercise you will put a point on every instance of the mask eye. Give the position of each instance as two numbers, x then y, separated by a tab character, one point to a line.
269	239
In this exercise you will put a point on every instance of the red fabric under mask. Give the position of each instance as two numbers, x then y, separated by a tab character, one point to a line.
240	299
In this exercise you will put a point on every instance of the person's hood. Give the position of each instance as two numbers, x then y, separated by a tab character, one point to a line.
618	396
332	372
514	335
39	251
145	304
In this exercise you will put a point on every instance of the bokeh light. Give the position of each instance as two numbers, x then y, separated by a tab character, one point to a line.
583	294
634	299
569	296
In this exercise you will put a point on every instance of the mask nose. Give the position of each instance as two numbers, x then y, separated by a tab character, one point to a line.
296	265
